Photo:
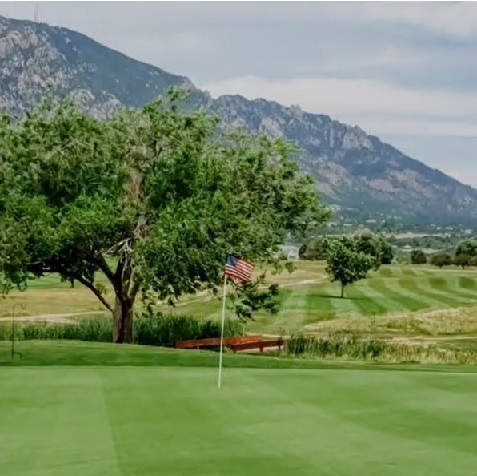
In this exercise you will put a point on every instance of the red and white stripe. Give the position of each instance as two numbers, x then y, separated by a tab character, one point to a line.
241	271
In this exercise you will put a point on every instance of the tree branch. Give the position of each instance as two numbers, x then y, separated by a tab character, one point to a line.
108	272
92	288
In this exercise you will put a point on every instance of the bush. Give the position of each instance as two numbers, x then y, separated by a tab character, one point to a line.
349	346
95	329
315	249
418	257
441	260
165	330
463	261
353	347
159	329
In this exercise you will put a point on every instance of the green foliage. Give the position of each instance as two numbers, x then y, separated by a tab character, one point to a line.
369	243
158	329
315	249
441	260
250	297
93	329
348	346
418	257
375	246
159	189
467	247
346	263
462	260
386	252
290	267
165	330
353	346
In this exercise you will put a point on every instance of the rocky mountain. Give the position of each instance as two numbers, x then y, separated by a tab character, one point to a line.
360	176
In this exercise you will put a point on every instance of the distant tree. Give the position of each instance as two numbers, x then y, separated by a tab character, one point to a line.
467	247
290	267
386	251
314	249
473	261
464	261
375	246
441	260
346	263
418	257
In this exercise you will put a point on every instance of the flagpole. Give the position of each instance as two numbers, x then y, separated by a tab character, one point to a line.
219	382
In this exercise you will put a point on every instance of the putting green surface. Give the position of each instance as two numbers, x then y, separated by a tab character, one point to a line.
61	421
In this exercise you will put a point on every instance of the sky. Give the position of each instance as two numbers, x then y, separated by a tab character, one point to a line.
404	71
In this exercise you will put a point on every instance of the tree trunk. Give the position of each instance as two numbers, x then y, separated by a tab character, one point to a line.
342	290
123	321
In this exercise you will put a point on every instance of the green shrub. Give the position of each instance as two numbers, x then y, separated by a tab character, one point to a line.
165	330
95	329
353	347
349	346
159	329
418	257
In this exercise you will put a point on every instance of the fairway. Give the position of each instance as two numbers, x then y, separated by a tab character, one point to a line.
308	297
393	290
61	421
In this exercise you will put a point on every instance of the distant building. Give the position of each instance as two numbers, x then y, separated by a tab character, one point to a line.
292	252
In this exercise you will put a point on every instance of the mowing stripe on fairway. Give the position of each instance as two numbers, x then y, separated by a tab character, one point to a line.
448	289
426	295
450	286
378	295
402	301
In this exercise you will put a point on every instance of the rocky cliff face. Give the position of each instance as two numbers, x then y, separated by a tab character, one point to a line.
356	173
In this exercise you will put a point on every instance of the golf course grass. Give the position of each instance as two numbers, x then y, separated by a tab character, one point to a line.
125	410
308	297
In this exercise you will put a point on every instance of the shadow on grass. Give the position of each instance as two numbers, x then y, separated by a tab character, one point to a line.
344	298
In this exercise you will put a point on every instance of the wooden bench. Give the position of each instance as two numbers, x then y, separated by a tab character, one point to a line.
262	344
215	342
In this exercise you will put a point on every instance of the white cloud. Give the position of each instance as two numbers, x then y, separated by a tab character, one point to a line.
357	101
453	18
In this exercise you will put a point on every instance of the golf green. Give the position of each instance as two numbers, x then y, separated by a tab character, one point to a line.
61	421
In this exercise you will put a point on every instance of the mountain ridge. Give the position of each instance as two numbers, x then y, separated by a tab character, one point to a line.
358	175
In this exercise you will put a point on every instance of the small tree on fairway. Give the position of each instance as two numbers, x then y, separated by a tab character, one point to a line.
154	199
290	267
346	264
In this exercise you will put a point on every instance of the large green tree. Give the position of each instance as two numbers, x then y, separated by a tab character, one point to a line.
154	199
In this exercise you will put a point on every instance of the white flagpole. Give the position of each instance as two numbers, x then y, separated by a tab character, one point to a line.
222	332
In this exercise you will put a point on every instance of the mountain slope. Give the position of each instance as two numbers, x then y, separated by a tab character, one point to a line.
359	174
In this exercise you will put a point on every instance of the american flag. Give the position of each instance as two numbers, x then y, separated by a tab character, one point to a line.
237	268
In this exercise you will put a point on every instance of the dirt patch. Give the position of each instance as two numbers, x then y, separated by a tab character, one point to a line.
56	318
